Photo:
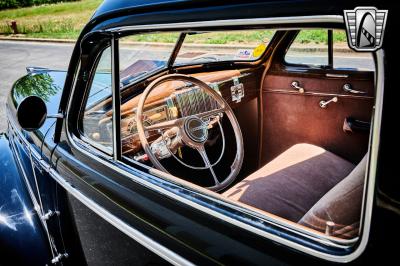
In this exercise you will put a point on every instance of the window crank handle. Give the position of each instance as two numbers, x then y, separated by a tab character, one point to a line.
296	85
324	104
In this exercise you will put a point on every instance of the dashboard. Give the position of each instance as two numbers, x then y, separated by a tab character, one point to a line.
182	103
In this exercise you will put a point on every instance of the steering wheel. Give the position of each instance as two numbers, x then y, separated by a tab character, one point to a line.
192	130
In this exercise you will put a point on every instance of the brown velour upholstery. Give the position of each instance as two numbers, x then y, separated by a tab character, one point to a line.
341	205
291	184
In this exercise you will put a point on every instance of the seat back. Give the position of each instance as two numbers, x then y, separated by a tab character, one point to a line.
338	212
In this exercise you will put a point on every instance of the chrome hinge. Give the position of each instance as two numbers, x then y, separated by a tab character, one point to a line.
44	166
237	90
59	257
50	214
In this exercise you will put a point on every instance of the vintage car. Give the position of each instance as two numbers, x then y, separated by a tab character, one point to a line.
199	132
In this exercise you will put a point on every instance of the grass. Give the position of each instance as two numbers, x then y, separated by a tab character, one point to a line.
63	20
231	37
320	36
66	20
241	37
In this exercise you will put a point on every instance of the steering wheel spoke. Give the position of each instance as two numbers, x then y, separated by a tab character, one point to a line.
207	163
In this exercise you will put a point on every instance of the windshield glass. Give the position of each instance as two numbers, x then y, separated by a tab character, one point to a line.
204	47
144	53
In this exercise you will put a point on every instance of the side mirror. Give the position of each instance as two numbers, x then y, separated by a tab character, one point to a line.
31	113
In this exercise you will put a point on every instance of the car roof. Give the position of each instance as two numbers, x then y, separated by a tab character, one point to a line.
114	5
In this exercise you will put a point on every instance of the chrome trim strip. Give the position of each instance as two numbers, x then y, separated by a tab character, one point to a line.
332	75
373	150
236	22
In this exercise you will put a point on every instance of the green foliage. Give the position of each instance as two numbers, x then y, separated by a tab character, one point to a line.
62	20
4	4
40	85
319	36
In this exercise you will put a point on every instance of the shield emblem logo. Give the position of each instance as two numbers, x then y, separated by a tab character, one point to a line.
365	28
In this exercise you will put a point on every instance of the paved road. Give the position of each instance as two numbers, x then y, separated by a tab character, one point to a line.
16	56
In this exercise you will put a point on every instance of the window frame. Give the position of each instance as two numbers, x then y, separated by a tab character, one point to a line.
217	199
107	150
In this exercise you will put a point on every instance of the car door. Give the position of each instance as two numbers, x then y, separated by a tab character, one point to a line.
118	208
319	94
128	215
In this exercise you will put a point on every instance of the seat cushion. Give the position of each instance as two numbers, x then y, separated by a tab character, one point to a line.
341	205
293	182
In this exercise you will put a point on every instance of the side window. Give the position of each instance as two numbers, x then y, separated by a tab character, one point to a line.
310	47
94	126
346	58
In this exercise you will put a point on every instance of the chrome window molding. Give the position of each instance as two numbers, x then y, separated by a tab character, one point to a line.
235	22
371	170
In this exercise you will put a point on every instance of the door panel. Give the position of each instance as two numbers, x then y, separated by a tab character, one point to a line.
292	117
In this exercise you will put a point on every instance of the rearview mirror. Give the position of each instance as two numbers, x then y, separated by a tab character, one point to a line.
31	113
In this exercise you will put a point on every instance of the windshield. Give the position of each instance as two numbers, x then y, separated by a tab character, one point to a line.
144	53
204	47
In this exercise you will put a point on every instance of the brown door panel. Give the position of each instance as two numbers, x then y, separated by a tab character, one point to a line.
291	117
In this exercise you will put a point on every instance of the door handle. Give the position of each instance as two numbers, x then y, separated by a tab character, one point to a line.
324	104
348	88
296	85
